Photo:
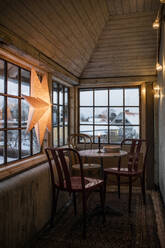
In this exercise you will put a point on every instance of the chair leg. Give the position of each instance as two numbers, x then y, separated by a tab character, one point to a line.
130	194
84	214
102	201
142	179
118	184
74	202
105	186
54	206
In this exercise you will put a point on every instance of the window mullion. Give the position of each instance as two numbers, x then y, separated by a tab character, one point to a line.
58	122
19	112
108	115
94	138
5	111
124	113
63	89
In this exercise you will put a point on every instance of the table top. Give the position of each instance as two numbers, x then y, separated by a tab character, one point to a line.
95	154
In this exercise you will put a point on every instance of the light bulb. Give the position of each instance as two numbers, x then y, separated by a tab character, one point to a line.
158	67
156	24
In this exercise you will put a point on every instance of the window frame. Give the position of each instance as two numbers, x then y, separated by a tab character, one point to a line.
58	105
5	129
93	89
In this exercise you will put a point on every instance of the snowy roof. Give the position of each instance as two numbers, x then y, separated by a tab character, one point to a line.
130	117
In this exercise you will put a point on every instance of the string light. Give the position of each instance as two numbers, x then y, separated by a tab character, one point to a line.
156	24
158	67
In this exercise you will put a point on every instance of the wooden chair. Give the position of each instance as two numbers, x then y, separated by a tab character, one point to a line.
133	170
73	185
79	142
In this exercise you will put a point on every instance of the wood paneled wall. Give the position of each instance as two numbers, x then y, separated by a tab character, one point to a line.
65	31
127	47
125	7
86	38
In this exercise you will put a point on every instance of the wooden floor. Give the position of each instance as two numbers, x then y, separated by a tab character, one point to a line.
144	228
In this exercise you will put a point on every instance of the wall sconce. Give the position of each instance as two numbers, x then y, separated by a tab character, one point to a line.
158	67
157	91
156	24
162	1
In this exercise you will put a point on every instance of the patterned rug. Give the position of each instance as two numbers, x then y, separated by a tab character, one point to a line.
137	229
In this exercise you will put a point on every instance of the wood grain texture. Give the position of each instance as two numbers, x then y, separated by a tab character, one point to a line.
124	7
65	31
86	38
127	47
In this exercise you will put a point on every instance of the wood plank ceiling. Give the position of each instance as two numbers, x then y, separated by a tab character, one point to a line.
65	31
88	38
127	46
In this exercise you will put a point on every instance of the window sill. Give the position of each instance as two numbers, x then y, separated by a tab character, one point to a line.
21	166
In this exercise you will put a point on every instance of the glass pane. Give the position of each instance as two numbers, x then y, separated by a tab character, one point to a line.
24	113
116	97
116	134
55	121
61	115
12	79
131	116
1	76
86	98
101	97
61	136
116	116
66	96
132	97
86	115
1	112
25	144
12	145
55	136
1	147
66	115
132	132
25	82
36	145
55	93
12	112
101	115
86	129
103	132
66	135
61	95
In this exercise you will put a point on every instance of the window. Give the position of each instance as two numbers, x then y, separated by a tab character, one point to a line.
15	143
60	114
114	113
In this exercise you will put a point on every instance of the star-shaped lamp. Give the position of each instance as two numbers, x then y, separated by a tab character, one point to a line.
40	106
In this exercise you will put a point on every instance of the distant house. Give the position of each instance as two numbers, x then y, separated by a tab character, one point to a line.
130	119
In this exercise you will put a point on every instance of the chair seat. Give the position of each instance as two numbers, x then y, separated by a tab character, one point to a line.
86	166
90	183
122	171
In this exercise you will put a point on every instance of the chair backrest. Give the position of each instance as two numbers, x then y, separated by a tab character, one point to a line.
79	139
58	155
135	152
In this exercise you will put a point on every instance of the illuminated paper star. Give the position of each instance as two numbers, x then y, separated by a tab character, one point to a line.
40	106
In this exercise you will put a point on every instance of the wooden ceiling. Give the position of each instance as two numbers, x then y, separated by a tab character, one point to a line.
126	7
127	47
87	38
65	31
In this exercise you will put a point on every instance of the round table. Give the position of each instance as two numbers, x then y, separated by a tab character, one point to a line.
94	153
